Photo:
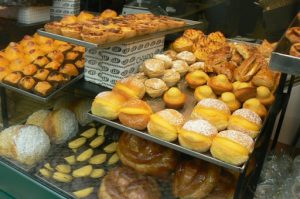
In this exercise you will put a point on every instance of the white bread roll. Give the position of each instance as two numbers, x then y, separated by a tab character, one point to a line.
38	118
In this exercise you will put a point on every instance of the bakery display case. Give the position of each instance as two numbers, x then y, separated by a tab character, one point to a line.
193	121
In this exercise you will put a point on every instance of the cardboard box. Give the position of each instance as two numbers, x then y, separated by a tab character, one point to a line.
106	66
54	11
66	4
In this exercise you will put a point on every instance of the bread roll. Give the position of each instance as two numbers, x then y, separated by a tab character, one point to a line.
38	118
186	56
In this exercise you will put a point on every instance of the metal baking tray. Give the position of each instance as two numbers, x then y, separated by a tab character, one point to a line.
40	98
189	24
281	60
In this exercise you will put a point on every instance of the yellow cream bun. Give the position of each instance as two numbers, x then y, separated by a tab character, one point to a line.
231	101
232	147
220	84
197	135
196	78
165	124
131	88
107	105
203	92
264	95
135	113
246	121
213	110
174	98
255	105
84	16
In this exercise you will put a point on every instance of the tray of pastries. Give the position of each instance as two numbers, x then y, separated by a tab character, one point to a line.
207	97
107	28
286	57
39	66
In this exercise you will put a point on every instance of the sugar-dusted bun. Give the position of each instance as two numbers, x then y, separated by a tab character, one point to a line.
255	105
196	78
146	157
196	66
186	56
38	118
246	121
231	101
181	67
155	87
171	53
171	77
165	58
220	84
165	124
232	147
203	92
135	113
154	67
131	88
197	135
174	98
213	110
264	95
107	104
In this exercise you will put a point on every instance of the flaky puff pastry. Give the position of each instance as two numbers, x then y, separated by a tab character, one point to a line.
264	77
146	157
193	34
131	88
155	87
220	84
108	13
203	92
255	105
195	179
264	95
232	147
197	135
183	44
135	113
231	101
171	77
213	110
246	121
174	98
84	16
165	124
107	105
243	90
196	78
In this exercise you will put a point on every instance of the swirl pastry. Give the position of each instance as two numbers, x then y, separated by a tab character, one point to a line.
146	157
203	92
295	50
293	34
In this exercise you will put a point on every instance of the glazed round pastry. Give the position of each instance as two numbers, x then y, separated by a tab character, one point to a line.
183	44
295	50
195	179
196	78
231	101
135	113
131	88
264	95
196	66
146	157
171	53
41	61
171	77
181	67
232	147
193	34
213	110
140	76
293	35
154	68
255	105
186	56
125	183
56	56
220	84
197	135
203	92
165	124
107	104
174	98
165	58
155	87
246	121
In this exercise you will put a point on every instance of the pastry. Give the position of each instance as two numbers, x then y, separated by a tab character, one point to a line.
217	37
201	54
26	144
165	58
295	50
4	71
153	68
146	157
140	76
243	90
93	37
108	13
130	88
79	49
186	56
220	84
18	64
54	65
171	77
182	44
68	19
41	39
64	47
125	183
84	16
34	54
80	63
203	92
69	69
174	98
41	61
27	39
181	67
54	27
41	74
171	53
61	125
165	124
264	77
13	78
38	118
196	78
56	56
232	147
13	51
266	48
195	179
155	87
197	135
293	34
231	101
246	121
47	47
107	105
193	34
213	110
56	77
264	95
135	113
255	105
72	55
196	66
43	88
27	83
